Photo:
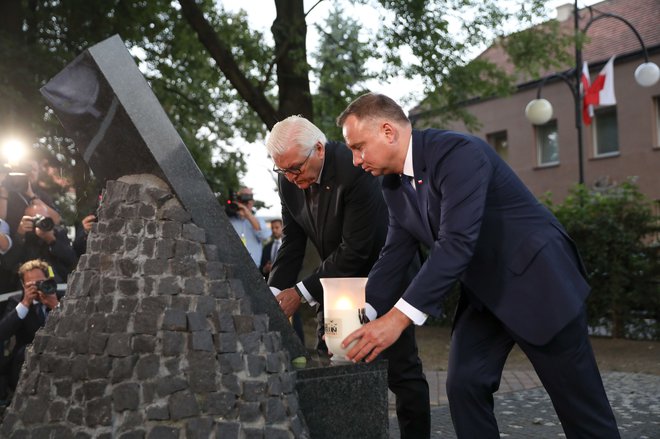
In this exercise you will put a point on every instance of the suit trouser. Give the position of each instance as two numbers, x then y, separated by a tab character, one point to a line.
566	366
407	381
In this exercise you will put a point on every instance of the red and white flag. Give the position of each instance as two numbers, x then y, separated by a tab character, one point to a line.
587	110
600	92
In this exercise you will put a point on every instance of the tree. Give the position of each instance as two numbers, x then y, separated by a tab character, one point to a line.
614	227
217	79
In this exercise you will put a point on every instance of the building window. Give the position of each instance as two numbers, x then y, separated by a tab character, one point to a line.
605	132
547	143
500	143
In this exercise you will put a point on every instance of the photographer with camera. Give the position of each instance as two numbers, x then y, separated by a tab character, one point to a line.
34	222
27	313
252	230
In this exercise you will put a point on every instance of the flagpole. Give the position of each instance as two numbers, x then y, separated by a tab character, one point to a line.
577	95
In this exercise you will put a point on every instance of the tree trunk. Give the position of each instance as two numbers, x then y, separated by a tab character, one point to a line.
226	62
290	32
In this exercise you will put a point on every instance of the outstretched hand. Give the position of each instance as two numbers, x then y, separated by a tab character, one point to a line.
374	337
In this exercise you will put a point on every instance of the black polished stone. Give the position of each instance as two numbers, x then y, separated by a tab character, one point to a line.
344	401
119	128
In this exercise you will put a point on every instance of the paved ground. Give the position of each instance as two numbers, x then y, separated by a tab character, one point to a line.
524	411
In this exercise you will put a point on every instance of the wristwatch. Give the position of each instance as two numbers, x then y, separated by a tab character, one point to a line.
300	294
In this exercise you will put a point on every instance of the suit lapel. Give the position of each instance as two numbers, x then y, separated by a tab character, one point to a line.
421	180
327	186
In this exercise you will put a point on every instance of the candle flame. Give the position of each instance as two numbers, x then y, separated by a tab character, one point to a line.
344	303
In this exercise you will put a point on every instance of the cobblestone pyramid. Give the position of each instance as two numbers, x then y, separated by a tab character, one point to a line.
155	338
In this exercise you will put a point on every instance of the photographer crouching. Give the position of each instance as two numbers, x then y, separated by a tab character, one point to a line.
27	314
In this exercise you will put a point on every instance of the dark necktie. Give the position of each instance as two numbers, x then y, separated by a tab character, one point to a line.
406	184
274	249
313	200
41	313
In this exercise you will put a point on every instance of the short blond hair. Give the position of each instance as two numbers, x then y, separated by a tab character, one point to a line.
34	264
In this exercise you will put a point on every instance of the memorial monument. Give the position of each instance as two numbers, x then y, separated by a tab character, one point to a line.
167	328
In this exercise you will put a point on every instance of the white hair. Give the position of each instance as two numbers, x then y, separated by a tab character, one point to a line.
294	131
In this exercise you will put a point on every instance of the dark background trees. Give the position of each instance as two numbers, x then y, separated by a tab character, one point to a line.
220	80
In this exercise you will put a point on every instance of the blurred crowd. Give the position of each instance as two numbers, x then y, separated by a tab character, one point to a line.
37	253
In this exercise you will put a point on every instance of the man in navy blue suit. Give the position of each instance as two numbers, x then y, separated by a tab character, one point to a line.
522	280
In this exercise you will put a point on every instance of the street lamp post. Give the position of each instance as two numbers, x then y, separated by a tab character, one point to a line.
539	111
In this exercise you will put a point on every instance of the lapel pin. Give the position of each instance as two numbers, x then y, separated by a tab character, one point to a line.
419	181
327	188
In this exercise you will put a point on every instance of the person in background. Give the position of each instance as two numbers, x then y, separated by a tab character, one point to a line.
252	230
269	252
27	313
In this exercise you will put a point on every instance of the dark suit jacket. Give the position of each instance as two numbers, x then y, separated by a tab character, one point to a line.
24	329
483	228
348	232
265	255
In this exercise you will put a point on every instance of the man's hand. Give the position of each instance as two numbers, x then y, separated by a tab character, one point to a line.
374	337
87	222
289	301
30	294
268	266
26	225
50	300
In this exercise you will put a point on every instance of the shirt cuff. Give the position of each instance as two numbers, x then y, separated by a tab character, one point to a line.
417	317
21	310
306	294
371	312
275	291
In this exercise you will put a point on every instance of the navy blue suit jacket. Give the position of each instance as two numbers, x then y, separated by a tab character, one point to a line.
483	228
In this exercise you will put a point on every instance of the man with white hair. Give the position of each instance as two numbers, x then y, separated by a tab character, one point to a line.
341	210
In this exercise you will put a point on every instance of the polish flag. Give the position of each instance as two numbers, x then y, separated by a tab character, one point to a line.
601	91
587	110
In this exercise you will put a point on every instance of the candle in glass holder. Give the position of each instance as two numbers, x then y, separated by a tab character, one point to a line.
343	312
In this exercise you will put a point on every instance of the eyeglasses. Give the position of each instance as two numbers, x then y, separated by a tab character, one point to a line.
294	170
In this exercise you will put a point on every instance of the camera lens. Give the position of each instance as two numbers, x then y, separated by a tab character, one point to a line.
43	222
47	286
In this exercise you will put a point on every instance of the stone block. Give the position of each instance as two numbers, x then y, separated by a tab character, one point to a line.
185	267
244	323
201	341
126	396
98	412
194	285
256	365
205	305
221	404
193	233
219	289
183	405
227	430
119	345
170	229
274	410
174	320
122	368
249	412
199	428
163	432
164	249
169	286
158	412
147	366
173	343
225	342
170	384
146	322
250	341
254	390
155	267
143	344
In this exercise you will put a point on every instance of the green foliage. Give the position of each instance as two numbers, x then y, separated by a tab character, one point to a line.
341	70
616	231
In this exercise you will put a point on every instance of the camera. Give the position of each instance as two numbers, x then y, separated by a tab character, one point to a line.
232	207
43	222
46	286
16	182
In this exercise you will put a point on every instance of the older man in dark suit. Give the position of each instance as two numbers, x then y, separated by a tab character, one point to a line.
26	315
521	276
340	208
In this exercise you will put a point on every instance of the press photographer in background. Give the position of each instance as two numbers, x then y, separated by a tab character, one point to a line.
252	230
34	223
27	313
